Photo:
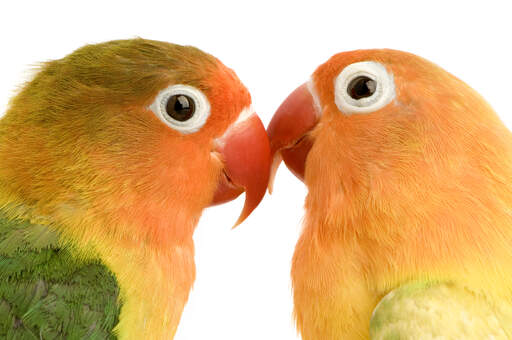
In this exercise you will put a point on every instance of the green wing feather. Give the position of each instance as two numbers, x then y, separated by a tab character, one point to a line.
46	293
438	311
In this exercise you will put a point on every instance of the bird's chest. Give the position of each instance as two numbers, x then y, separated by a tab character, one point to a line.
331	296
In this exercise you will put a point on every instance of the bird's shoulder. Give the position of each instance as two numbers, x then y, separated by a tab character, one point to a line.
47	292
426	310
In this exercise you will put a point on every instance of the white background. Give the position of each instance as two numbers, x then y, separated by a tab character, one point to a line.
243	289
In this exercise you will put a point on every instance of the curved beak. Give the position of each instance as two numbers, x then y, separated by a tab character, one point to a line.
245	151
288	132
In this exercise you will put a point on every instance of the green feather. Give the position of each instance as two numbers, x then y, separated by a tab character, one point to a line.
47	293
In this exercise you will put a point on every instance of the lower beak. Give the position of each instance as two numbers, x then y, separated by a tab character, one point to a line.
245	151
288	132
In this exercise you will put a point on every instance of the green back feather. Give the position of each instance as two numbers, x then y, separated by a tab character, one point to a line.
47	293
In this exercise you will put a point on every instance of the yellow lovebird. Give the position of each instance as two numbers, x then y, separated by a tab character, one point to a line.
107	159
408	226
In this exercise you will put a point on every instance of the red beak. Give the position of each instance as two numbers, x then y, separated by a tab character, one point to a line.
245	150
288	132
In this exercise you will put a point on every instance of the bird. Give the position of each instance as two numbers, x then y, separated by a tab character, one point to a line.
108	156
407	231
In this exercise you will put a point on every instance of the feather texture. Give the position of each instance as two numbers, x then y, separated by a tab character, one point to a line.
83	155
47	293
417	191
439	311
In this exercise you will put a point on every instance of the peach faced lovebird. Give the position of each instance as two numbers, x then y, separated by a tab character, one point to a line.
107	159
408	226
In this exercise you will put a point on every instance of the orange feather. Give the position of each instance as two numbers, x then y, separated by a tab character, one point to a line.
420	189
82	153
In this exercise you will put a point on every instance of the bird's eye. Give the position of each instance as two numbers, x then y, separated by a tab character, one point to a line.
363	87
182	107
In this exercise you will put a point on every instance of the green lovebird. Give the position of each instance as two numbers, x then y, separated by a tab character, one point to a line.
107	159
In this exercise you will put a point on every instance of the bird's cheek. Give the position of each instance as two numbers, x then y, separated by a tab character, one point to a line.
245	152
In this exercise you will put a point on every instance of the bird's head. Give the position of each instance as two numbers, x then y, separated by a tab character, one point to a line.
381	122
134	130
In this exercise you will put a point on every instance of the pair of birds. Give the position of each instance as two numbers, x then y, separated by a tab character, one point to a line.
109	155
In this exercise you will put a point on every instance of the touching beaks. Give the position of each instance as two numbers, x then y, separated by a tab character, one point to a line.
245	151
288	130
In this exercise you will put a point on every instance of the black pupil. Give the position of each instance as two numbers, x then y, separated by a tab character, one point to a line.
361	87
180	107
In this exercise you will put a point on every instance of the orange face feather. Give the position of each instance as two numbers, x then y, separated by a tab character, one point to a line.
83	152
417	189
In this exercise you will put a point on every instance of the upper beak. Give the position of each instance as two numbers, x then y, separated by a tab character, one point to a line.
245	151
288	132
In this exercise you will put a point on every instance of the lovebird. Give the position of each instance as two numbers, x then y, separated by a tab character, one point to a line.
108	156
408	217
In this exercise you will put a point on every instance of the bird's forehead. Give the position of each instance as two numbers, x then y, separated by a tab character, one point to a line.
332	67
225	87
401	64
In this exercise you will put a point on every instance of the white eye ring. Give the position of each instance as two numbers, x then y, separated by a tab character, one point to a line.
198	118
383	94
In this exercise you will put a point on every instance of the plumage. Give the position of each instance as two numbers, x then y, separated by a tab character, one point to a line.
84	158
429	310
46	293
417	192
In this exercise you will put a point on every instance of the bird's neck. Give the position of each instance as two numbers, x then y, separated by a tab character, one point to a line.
446	221
154	286
155	270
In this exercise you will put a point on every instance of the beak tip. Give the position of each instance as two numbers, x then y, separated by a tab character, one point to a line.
243	216
270	187
276	161
248	170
